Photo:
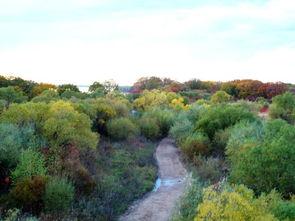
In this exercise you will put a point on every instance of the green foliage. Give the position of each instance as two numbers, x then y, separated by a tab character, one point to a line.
187	207
220	117
181	128
283	106
10	145
149	128
96	86
195	144
67	87
122	128
3	105
220	97
11	95
284	210
209	169
28	193
59	195
163	117
66	126
267	163
31	163
13	140
220	140
46	96
129	172
68	94
26	114
242	135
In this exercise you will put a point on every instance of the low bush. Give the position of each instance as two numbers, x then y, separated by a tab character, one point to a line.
163	117
59	195
195	144
283	106
28	193
187	206
121	129
221	117
209	169
181	129
220	141
149	128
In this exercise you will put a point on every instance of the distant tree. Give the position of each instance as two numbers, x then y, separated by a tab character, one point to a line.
96	86
11	95
64	87
270	90
47	96
151	83
193	84
39	88
110	86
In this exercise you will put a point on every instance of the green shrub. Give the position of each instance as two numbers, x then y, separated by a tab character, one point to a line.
284	210
122	128
65	126
283	106
149	128
220	140
209	169
220	97
46	96
195	144
13	140
28	193
11	95
59	195
187	206
10	145
243	135
220	117
268	163
164	118
181	128
31	163
3	105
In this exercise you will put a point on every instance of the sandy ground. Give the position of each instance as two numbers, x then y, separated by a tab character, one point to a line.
158	205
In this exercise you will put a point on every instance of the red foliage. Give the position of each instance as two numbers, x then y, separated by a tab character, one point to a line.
264	109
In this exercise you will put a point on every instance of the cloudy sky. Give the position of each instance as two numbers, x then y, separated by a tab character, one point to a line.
80	41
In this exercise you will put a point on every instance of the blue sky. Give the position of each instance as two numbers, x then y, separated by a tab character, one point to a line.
80	41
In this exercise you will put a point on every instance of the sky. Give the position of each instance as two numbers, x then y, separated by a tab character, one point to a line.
82	41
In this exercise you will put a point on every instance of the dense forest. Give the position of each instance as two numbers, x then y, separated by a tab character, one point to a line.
71	155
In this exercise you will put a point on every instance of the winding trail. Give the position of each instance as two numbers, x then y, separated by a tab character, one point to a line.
158	205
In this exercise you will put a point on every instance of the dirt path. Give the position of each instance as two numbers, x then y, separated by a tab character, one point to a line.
158	205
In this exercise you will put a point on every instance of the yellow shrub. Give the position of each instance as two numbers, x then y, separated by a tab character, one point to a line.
236	204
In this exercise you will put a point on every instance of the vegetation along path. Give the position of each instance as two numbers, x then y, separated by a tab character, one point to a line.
158	205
